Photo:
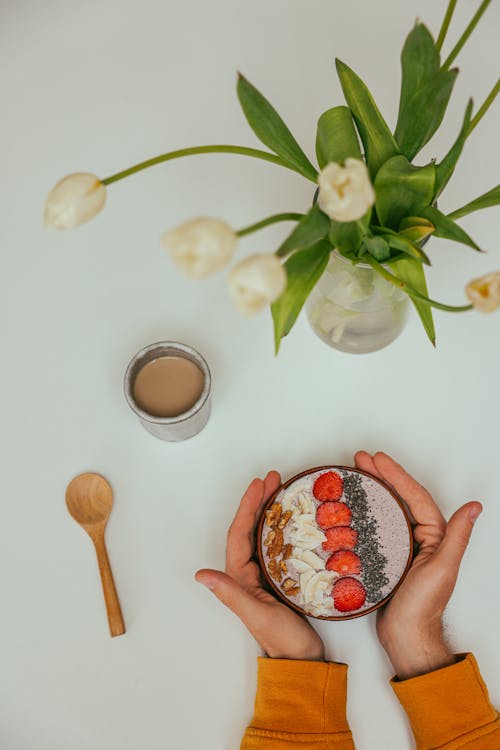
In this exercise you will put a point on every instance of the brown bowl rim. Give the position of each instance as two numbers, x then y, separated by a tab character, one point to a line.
278	591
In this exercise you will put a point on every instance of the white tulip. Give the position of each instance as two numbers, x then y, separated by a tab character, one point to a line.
74	200
345	193
199	247
484	292
256	282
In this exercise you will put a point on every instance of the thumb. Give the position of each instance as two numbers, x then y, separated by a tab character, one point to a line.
458	532
230	593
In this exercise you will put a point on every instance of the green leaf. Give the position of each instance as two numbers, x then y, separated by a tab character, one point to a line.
402	190
336	137
416	228
272	131
425	92
419	62
411	292
377	247
412	273
445	168
346	236
486	200
446	228
378	141
314	226
303	269
400	242
425	113
406	246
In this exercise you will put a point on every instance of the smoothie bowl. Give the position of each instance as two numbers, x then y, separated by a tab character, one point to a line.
334	543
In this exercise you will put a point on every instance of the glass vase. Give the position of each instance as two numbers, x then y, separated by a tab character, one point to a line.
353	309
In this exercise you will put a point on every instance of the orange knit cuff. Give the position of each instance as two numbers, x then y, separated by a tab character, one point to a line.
447	703
301	696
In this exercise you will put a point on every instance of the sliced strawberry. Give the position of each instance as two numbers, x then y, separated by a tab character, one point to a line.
333	513
340	537
328	486
345	561
348	594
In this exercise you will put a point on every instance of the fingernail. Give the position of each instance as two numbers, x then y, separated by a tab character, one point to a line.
207	583
474	514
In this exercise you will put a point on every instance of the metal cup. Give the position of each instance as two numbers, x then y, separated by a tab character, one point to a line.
185	425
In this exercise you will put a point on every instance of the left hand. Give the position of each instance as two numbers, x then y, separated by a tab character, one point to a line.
280	632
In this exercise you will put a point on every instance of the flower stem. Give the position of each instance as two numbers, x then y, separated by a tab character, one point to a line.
267	222
413	292
468	31
484	107
446	22
222	149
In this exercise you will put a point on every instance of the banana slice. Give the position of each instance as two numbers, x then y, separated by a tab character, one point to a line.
298	502
304	522
308	539
318	587
306	577
310	558
306	503
306	534
300	565
309	542
325	609
288	503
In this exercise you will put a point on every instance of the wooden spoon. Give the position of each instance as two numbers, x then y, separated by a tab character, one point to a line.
89	498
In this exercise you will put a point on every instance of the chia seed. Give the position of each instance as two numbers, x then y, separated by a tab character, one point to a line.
373	561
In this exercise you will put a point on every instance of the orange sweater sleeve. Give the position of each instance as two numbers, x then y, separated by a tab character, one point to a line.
450	709
300	705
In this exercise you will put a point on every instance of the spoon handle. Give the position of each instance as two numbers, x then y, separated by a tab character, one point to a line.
115	617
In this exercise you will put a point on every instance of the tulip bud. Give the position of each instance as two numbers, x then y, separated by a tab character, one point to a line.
345	193
484	292
256	282
200	247
74	200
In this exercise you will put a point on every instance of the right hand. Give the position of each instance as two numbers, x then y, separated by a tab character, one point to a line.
410	627
281	632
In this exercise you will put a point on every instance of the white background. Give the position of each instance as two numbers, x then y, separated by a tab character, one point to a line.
97	86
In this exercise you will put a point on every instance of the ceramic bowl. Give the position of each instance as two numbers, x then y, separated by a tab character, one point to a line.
334	543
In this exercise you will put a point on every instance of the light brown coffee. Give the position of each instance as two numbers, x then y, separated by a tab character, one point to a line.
168	386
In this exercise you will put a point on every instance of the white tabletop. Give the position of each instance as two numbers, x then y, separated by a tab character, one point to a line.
96	87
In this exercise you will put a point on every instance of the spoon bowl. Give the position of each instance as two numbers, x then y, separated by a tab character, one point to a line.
89	498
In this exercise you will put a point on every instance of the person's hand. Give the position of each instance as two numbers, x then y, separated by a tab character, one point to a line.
409	627
281	632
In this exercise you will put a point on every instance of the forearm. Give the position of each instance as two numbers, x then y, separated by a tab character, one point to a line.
299	704
417	651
